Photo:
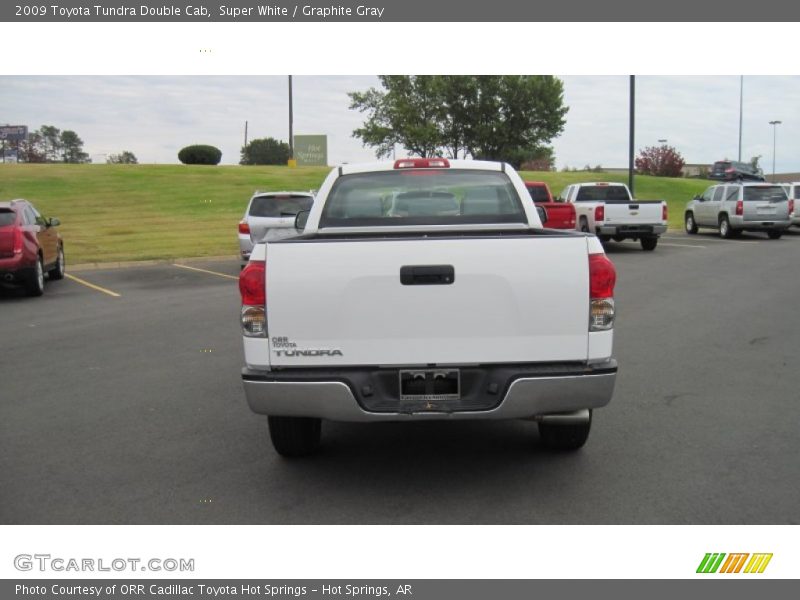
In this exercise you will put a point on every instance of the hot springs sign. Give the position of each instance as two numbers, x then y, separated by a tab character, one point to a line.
311	150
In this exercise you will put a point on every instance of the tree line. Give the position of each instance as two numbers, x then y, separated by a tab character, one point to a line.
49	144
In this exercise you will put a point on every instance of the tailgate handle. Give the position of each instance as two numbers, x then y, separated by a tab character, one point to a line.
427	275
633	206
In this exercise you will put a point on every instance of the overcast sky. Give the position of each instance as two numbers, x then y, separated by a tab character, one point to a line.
155	116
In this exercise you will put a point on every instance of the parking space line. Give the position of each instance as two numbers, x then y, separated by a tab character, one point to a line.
92	286
681	245
715	240
217	273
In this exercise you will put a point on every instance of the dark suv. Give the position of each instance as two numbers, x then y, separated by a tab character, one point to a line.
732	170
30	246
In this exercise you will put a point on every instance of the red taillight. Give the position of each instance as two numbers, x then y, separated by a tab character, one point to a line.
602	277
739	208
422	163
599	213
791	206
18	239
664	212
253	283
244	227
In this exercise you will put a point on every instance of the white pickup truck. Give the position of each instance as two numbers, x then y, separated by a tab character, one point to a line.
427	289
609	210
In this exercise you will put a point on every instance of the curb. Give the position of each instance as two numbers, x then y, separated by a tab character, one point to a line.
143	263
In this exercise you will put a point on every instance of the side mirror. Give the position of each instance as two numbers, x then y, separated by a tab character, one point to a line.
542	214
301	218
698	198
53	222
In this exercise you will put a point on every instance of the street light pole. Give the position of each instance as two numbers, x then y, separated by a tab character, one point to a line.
741	96
774	138
630	132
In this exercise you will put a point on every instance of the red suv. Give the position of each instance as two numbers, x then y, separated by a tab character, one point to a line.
30	246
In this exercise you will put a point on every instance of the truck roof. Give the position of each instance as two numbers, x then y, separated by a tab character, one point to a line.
389	165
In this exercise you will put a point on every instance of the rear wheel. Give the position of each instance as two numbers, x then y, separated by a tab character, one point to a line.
775	234
604	238
35	283
60	267
725	230
649	242
691	224
295	436
564	436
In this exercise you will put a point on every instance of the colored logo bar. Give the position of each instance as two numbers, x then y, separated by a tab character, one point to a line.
717	562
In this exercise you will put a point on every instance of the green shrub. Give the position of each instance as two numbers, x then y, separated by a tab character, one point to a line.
200	154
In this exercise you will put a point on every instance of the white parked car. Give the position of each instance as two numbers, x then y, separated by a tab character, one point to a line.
610	211
269	210
427	289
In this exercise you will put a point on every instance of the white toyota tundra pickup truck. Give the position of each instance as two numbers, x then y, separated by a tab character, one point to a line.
427	289
610	211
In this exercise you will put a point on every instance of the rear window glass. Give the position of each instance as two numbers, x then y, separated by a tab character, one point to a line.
422	197
279	206
538	193
797	192
7	217
602	193
769	193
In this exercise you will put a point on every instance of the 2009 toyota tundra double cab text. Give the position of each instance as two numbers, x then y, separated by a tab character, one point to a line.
427	289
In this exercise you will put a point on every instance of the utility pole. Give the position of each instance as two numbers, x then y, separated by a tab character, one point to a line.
245	134
631	126
291	122
741	96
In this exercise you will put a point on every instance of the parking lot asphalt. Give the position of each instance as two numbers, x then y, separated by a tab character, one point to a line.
128	408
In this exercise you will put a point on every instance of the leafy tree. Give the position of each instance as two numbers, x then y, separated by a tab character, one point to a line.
72	147
540	159
265	151
662	161
496	117
32	149
51	140
404	114
200	154
126	157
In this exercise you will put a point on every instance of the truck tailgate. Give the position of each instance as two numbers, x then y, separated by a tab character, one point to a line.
630	213
509	301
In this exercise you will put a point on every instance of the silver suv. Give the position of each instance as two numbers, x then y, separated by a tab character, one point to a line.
269	210
736	207
793	191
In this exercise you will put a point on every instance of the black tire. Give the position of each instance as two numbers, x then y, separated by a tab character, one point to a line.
691	224
725	230
618	238
564	437
604	238
584	225
774	234
295	436
649	242
60	267
34	286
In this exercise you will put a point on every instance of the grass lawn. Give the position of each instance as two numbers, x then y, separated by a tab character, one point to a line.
139	212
